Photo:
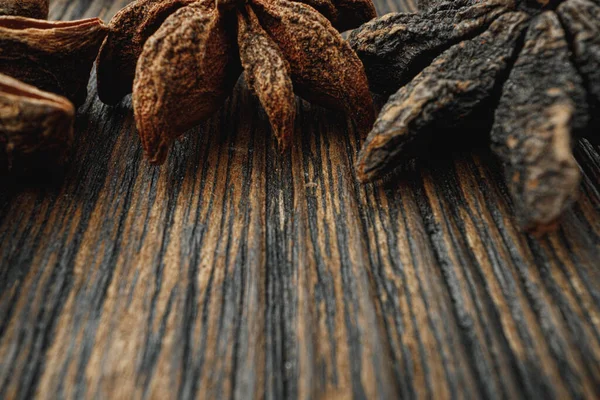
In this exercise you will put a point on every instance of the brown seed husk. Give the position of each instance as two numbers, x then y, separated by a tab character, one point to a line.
36	128
128	31
453	86
324	68
542	104
25	8
53	56
186	70
268	74
395	47
326	7
581	18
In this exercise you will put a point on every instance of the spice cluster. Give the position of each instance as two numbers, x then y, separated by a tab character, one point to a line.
534	63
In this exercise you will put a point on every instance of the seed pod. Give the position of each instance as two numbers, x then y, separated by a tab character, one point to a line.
324	68
184	74
190	64
581	18
25	8
452	87
128	31
326	7
53	56
36	128
268	75
544	97
542	104
397	46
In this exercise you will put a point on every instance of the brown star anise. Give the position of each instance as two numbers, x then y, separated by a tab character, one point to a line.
36	127
54	56
536	62
188	56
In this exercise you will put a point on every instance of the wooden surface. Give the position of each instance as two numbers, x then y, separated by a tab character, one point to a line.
235	272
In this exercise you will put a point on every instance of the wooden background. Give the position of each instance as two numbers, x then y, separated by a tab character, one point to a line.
235	272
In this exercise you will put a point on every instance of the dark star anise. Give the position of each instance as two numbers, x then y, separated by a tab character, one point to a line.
538	63
181	59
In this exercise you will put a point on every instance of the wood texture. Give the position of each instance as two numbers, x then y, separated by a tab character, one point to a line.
234	271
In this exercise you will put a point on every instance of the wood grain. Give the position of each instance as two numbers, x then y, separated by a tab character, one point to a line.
234	271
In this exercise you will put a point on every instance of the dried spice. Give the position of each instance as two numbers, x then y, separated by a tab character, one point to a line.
536	62
542	104
25	8
133	25
181	59
267	74
395	47
582	21
53	56
36	127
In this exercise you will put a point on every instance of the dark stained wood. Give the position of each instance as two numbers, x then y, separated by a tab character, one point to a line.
236	272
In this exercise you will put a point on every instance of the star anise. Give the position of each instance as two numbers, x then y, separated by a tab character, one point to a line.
182	59
36	127
25	8
54	56
537	63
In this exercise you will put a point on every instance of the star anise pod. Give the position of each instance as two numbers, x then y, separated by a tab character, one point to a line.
53	56
36	127
538	63
25	8
186	55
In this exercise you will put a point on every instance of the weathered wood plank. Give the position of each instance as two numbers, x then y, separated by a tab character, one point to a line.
236	271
